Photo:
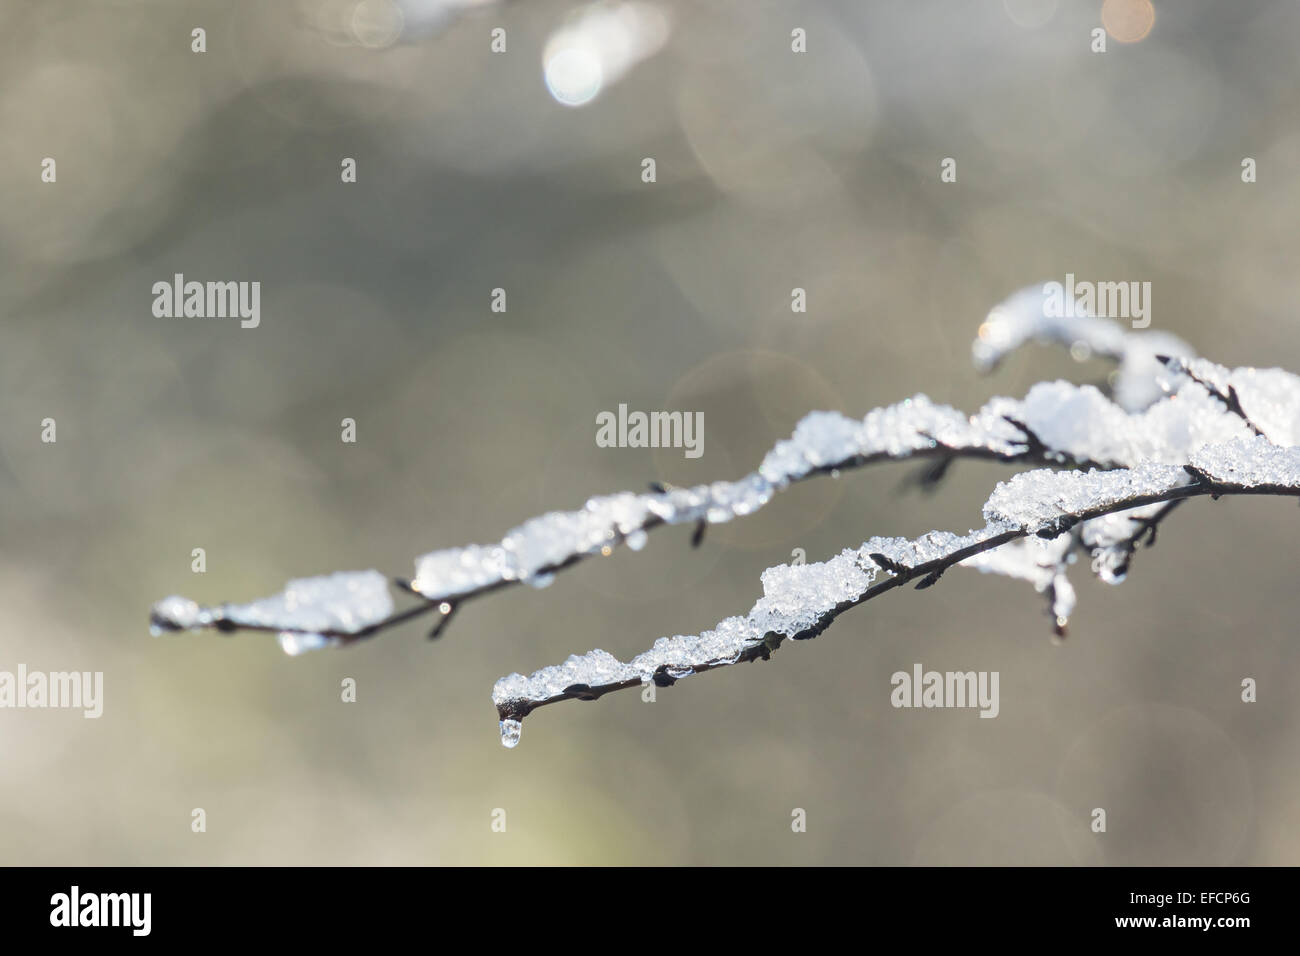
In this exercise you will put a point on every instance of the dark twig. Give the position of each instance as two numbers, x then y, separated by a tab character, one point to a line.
1231	400
1034	452
518	708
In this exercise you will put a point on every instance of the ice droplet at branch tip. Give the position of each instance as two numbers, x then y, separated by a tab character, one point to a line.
511	730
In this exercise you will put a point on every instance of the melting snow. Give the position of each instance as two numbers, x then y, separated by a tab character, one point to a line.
1040	562
315	608
798	598
1141	380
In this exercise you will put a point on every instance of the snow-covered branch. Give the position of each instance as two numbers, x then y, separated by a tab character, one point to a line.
1176	427
1025	317
801	601
347	606
1057	423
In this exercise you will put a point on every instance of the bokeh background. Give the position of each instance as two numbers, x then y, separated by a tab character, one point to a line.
775	170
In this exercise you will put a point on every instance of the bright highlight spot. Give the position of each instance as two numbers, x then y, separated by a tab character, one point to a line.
574	76
1128	21
598	46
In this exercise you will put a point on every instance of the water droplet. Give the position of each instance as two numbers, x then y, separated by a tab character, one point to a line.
510	733
540	580
637	540
294	643
155	630
1061	629
444	607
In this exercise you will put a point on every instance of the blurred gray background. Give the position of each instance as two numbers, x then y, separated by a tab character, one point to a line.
775	170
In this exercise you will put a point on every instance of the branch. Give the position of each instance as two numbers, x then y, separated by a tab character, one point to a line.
800	602
1032	315
1043	564
824	443
1114	539
1056	424
1266	399
1181	428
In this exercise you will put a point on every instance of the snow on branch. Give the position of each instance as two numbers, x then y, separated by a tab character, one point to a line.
799	602
1056	423
1027	316
308	614
1267	399
341	608
1178	427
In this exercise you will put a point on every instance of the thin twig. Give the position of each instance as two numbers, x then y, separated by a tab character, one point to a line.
518	708
1035	452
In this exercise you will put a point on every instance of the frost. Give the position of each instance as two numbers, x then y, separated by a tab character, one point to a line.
311	612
